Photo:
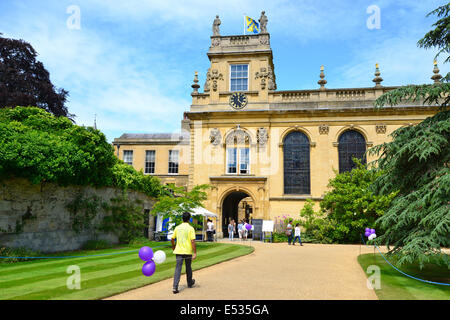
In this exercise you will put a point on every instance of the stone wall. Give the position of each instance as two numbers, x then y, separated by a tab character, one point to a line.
41	209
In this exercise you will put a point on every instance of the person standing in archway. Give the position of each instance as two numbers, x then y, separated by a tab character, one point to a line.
244	230
231	230
240	226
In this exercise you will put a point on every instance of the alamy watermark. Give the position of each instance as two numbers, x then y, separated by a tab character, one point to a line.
74	281
73	22
374	20
374	280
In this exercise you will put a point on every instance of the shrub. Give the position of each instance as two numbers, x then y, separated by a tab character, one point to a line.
350	206
40	147
96	245
139	242
279	237
17	252
126	218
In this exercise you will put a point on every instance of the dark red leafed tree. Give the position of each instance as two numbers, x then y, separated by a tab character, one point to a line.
25	82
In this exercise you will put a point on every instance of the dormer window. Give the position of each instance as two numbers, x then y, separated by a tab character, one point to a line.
239	77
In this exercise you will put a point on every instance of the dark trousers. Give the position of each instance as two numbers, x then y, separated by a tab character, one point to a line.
299	240
290	239
210	235
187	260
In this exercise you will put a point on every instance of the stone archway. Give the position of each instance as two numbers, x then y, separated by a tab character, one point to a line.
231	210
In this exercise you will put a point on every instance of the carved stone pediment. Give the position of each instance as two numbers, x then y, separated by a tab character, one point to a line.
238	136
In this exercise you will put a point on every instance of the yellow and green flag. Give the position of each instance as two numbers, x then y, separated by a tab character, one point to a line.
252	25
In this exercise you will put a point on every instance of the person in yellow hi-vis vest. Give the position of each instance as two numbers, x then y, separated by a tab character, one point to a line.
185	249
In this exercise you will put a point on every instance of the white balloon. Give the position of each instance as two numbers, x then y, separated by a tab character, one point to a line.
159	257
372	236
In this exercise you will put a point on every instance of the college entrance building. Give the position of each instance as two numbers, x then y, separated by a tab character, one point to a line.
264	151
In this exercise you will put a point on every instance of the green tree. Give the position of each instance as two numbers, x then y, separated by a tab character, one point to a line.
38	146
350	206
178	200
416	163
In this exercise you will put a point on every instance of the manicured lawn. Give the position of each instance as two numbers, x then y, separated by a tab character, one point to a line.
395	286
100	276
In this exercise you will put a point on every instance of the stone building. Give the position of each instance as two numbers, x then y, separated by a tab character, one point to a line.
270	149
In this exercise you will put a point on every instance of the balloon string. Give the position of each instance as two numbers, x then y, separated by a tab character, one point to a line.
427	281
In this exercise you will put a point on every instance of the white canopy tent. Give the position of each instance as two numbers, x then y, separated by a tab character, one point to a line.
198	211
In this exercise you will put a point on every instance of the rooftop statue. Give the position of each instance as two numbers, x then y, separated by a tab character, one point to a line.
216	24
263	22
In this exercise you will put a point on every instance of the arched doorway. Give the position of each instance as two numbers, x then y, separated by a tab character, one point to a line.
236	205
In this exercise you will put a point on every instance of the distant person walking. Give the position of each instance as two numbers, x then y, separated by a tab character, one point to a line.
231	230
210	230
289	231
240	226
244	230
297	235
185	249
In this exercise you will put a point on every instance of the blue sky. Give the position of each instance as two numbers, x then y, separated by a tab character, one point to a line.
132	62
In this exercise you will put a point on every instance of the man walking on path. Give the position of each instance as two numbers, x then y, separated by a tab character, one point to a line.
297	235
289	231
185	250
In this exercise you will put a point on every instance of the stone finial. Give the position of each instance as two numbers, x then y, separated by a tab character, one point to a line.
436	76
377	78
322	80
195	86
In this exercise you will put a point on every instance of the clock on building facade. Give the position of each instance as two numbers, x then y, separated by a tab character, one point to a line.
238	100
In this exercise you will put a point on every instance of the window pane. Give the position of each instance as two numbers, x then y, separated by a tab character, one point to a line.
232	163
239	77
351	145
173	161
244	161
149	161
296	163
128	157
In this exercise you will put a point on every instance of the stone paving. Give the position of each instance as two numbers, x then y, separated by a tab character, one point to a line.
273	271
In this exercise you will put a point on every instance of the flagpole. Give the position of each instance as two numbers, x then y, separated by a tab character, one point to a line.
244	24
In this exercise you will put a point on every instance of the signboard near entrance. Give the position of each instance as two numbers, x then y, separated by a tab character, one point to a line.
267	230
257	229
267	226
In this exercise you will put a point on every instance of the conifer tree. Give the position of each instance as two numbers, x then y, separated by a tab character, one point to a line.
416	163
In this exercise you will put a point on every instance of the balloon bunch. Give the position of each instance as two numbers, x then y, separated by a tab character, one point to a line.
146	254
370	233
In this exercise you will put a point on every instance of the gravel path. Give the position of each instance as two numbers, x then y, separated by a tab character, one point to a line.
273	271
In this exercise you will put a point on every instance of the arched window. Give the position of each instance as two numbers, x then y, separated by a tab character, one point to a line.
351	145
296	164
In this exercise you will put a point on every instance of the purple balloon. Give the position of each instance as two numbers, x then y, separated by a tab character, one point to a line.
146	253
372	231
248	227
148	268
367	233
367	230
